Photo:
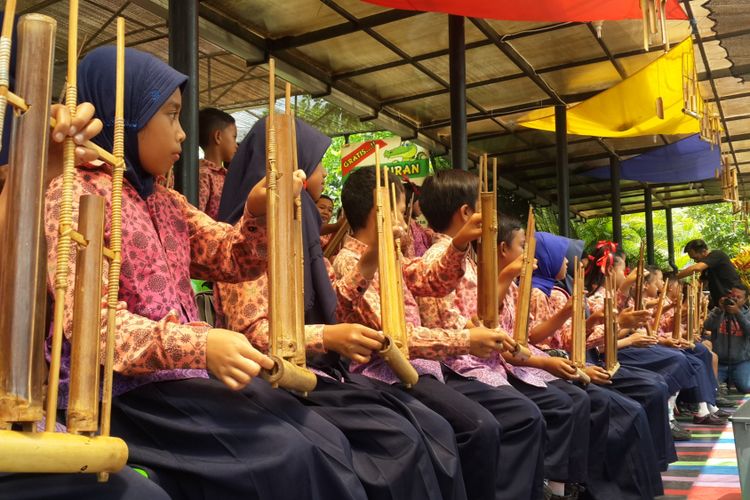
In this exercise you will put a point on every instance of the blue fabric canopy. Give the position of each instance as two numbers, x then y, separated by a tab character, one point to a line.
690	159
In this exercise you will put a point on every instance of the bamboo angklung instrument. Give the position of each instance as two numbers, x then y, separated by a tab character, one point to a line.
691	316
611	328
660	306
334	244
639	282
578	323
677	328
286	333
487	266
523	304
23	276
654	21
703	310
49	451
395	350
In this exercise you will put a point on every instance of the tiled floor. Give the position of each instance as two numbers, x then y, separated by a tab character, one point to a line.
707	465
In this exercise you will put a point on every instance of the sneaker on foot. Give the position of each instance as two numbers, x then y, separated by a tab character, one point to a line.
723	402
722	414
678	433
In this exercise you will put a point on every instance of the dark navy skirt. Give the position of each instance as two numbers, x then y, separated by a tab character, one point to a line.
702	361
672	364
124	485
206	441
652	392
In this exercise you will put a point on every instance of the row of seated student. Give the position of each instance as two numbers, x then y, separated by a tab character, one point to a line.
479	424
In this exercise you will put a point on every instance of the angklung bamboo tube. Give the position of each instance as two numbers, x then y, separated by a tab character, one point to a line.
677	329
578	323
611	328
487	266
523	305
286	320
23	276
48	451
395	349
639	283
115	238
66	230
660	306
5	51
334	243
691	318
83	404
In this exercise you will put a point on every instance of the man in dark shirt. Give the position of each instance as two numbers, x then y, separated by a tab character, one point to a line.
716	268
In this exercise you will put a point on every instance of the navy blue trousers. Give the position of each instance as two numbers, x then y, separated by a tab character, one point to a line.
437	434
520	427
702	361
652	392
499	433
669	363
567	425
206	441
389	453
629	457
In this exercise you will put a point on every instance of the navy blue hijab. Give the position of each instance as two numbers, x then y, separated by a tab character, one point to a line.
575	249
550	254
148	84
247	168
8	122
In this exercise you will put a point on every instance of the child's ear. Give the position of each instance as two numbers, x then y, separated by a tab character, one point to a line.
465	212
501	249
217	137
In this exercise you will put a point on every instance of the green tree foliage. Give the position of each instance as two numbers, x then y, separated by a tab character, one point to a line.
713	223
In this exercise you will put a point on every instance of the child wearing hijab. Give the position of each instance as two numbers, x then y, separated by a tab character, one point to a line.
389	456
642	351
204	437
647	388
625	448
448	200
472	408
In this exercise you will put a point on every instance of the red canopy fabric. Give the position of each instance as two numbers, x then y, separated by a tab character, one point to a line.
535	10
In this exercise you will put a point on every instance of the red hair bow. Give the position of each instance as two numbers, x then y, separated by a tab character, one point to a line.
608	258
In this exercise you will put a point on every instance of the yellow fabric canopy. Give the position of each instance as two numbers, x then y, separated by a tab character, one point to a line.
629	109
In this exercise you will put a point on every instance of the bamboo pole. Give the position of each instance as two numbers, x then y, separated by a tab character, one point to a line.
578	323
83	402
286	334
23	275
395	349
65	240
115	239
46	452
523	304
677	329
487	265
335	242
611	328
660	306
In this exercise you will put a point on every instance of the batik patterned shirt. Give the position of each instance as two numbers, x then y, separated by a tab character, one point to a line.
359	302
211	179
165	241
454	310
